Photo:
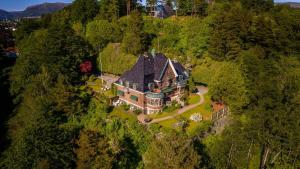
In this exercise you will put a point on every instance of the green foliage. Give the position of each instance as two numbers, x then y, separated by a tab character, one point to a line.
229	85
175	151
195	7
191	85
27	26
247	52
174	106
35	130
133	37
100	32
258	5
109	9
84	10
205	70
93	151
228	31
195	43
113	60
57	49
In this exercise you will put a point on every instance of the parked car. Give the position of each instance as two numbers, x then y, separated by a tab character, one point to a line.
147	120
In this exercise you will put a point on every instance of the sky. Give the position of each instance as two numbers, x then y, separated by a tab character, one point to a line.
18	5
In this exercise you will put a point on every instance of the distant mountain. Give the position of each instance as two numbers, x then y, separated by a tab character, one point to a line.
33	11
291	4
5	15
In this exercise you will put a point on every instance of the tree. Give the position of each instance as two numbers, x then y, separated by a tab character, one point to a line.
112	58
109	10
133	38
191	85
93	151
195	43
258	5
35	130
229	85
100	32
57	48
27	26
265	33
270	109
86	67
84	10
229	28
173	151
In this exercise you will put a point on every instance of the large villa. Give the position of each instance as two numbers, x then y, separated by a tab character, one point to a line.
152	82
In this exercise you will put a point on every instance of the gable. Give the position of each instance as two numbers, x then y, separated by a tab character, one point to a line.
149	69
168	74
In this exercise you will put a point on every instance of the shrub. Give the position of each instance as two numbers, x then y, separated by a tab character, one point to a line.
137	111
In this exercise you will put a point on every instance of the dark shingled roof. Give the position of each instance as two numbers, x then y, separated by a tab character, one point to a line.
147	69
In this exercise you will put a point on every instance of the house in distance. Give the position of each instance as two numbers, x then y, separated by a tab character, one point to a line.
151	83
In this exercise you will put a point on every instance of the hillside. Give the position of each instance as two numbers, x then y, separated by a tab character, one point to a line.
292	4
242	56
33	11
5	15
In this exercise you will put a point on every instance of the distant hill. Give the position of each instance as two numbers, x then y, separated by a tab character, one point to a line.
33	11
291	4
5	14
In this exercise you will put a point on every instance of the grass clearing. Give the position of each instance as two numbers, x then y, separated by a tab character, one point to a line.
193	99
162	114
95	84
193	127
120	112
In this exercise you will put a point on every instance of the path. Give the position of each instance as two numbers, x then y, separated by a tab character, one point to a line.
201	92
109	79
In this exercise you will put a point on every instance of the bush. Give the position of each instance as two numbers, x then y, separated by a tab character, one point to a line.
137	111
126	107
172	107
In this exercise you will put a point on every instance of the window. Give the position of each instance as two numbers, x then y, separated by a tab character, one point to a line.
170	82
180	77
127	84
120	93
186	73
134	85
134	98
154	102
150	86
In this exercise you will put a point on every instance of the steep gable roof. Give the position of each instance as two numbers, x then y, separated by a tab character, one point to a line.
148	69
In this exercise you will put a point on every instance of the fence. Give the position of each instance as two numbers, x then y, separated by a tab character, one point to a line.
219	114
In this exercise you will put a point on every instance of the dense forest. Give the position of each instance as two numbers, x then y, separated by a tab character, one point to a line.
246	51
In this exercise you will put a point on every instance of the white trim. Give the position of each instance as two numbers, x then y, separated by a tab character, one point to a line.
172	66
129	88
157	81
131	103
153	109
163	71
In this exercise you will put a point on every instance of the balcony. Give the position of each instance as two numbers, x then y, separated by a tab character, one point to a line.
153	95
181	83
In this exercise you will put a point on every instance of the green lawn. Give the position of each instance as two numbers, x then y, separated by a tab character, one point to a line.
120	112
162	114
193	99
168	123
194	127
95	84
